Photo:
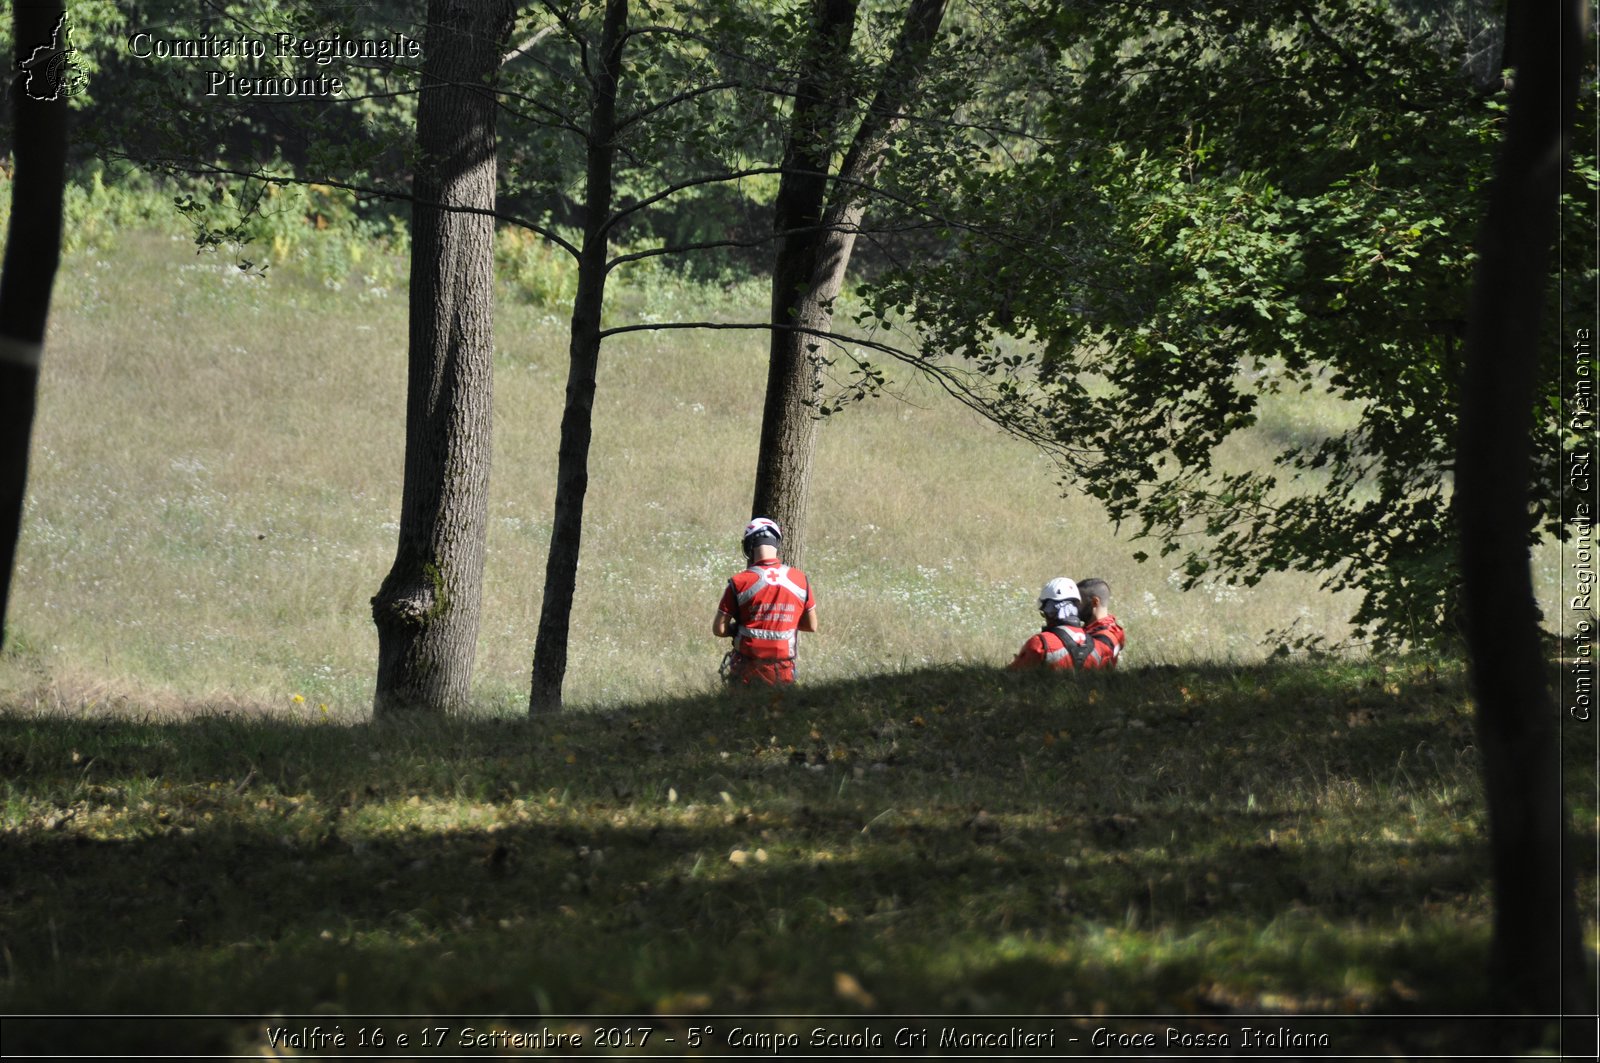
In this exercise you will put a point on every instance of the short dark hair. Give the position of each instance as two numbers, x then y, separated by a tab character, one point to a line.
1095	588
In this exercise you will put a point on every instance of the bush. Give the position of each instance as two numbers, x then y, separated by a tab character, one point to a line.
537	270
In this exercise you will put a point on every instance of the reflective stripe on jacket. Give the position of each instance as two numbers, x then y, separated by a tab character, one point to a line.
767	601
1051	649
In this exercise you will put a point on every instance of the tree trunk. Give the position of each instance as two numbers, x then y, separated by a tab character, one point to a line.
1536	962
572	463
33	251
788	423
428	607
814	252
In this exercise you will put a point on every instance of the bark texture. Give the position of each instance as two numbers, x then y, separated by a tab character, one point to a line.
33	251
1536	959
818	233
788	423
577	417
428	608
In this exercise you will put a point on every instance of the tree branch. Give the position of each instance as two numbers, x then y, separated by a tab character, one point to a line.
853	229
527	46
681	186
559	118
956	382
673	101
360	190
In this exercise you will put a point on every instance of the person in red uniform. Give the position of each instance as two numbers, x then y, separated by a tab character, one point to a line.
763	609
1066	643
1096	601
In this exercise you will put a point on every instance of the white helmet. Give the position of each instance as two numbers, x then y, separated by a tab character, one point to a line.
759	531
1057	590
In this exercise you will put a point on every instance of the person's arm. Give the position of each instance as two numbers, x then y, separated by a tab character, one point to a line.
808	619
726	620
1030	656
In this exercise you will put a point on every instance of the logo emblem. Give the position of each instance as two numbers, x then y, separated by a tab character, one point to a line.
50	72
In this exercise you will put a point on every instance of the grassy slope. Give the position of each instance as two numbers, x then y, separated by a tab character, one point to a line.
217	477
1206	839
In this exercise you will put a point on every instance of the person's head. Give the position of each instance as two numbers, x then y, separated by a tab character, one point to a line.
1058	601
1095	588
761	539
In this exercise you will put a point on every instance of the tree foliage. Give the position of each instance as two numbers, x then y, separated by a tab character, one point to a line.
1238	202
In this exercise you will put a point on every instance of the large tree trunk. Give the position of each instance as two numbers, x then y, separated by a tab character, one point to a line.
428	607
814	252
33	250
788	422
572	462
1536	958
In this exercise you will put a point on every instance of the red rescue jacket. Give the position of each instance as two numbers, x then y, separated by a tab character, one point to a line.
1109	632
1073	649
767	600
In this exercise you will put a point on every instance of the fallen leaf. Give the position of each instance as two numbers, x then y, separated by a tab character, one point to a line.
683	1003
845	987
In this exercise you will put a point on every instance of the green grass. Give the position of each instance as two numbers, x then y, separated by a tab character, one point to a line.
196	814
1252	839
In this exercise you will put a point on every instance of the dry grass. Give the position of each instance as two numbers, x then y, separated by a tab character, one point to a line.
216	481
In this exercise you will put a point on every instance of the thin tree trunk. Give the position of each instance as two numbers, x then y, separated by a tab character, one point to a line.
1536	958
428	608
33	251
811	263
572	464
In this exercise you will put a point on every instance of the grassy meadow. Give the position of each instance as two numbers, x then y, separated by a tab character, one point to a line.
217	478
197	816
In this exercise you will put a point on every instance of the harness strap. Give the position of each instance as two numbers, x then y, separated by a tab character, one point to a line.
771	575
1112	650
1078	651
767	575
